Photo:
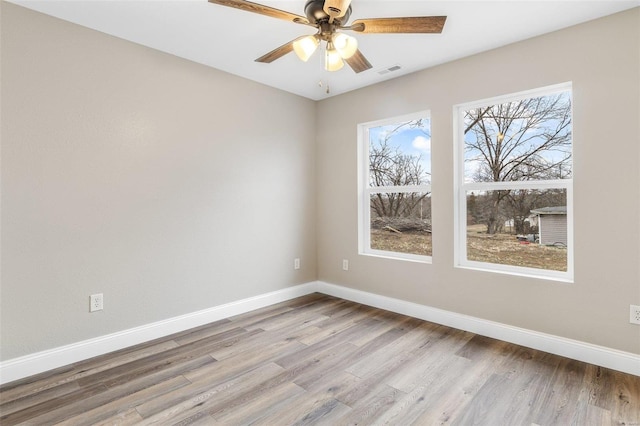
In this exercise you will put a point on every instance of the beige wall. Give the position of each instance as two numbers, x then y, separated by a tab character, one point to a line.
602	59
168	186
171	187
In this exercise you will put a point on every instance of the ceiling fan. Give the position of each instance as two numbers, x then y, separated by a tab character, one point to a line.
329	17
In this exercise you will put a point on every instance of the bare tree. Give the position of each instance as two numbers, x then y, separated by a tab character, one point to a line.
389	166
521	202
516	141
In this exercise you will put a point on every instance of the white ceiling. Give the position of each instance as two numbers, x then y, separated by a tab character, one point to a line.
230	39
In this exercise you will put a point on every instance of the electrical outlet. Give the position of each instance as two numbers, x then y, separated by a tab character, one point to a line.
96	302
296	263
634	314
345	265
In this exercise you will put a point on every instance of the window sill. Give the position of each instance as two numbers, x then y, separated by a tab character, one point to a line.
416	258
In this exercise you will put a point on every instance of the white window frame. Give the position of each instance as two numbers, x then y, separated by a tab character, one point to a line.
365	191
461	187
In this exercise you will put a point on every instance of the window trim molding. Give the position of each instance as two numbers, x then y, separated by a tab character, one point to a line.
461	188
365	191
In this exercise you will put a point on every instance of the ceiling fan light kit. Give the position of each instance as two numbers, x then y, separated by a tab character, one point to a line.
345	44
340	46
305	46
328	17
332	59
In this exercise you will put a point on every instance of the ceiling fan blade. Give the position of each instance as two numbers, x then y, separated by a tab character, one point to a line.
278	52
416	24
336	8
262	10
358	62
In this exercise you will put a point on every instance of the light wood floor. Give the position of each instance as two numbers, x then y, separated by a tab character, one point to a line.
323	360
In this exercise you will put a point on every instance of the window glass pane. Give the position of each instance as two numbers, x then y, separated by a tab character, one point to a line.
400	154
401	222
526	228
521	140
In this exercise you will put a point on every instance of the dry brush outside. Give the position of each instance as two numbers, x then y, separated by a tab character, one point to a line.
502	249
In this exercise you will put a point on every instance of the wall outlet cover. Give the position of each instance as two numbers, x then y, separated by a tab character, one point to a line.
96	302
634	314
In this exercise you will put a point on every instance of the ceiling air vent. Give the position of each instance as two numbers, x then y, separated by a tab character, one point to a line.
390	69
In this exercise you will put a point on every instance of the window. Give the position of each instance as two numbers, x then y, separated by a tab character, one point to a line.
395	187
514	182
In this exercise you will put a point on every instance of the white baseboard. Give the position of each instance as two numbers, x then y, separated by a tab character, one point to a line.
28	365
39	362
574	349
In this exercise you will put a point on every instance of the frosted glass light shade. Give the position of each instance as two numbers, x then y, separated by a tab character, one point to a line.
305	46
346	45
332	59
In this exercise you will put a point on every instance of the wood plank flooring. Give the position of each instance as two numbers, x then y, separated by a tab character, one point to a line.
322	360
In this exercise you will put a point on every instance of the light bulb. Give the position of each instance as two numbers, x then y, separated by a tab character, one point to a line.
305	46
332	59
346	45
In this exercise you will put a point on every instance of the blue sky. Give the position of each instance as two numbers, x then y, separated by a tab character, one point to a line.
411	141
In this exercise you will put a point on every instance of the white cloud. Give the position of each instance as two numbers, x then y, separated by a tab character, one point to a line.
422	144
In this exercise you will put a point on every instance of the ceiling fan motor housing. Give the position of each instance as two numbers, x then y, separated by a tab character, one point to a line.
316	14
